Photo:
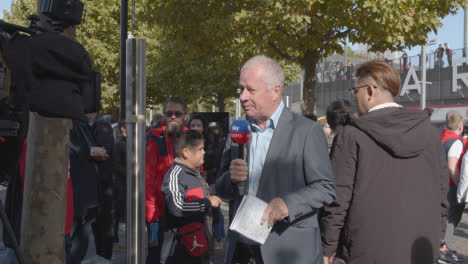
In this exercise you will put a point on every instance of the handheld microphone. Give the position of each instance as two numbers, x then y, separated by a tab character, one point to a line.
240	133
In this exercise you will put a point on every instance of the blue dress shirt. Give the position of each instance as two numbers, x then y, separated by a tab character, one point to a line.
258	148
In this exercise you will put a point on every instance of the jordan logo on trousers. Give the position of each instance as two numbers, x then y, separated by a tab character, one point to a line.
195	244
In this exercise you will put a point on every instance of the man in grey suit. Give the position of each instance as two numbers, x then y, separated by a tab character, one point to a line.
286	165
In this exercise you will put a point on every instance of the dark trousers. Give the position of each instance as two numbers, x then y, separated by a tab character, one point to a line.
79	239
245	254
231	210
218	224
454	216
118	208
68	248
102	228
154	253
181	256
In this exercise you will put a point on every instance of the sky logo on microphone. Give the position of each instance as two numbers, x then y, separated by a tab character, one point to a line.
240	131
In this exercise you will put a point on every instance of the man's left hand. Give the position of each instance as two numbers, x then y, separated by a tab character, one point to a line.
275	211
329	260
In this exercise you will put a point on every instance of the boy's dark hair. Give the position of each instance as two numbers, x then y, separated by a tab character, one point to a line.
187	139
339	113
201	118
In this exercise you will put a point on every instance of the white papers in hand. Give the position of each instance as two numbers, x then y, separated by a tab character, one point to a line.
248	217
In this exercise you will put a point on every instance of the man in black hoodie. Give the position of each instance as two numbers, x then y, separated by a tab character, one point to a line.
103	228
391	179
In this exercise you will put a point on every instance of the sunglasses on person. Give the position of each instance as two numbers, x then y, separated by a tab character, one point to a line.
170	114
354	90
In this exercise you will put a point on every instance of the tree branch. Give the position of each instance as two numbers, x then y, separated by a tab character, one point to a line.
293	36
285	32
342	34
283	54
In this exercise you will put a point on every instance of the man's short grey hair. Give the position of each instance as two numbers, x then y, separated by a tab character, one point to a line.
272	70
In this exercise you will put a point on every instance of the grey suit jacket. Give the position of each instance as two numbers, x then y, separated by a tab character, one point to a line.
297	169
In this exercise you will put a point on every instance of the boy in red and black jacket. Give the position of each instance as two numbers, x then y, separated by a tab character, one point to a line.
159	158
188	202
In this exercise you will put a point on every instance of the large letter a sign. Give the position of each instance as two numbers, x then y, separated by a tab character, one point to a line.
407	86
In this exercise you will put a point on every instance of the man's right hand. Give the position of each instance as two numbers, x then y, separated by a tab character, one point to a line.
215	201
239	171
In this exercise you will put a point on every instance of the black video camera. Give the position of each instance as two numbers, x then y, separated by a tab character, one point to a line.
4	82
63	12
7	127
91	93
59	13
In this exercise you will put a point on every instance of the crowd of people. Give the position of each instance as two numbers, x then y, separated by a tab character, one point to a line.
438	58
440	54
376	192
334	71
380	186
166	142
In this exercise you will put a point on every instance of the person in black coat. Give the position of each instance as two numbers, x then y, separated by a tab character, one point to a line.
103	228
84	174
440	53
119	179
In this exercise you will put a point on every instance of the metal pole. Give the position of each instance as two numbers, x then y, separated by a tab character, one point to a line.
302	84
151	115
213	108
423	77
133	17
238	110
123	37
465	30
367	52
346	54
136	115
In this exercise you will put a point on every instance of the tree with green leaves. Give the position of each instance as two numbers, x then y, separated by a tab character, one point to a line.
199	59
301	31
19	10
99	33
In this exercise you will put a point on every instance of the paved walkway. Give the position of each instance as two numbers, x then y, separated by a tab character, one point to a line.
460	241
119	250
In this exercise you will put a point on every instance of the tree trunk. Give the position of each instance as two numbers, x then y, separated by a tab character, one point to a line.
220	102
45	184
310	81
45	190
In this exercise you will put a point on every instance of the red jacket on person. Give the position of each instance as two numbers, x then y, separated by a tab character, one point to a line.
447	135
159	158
